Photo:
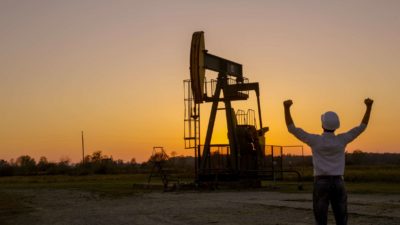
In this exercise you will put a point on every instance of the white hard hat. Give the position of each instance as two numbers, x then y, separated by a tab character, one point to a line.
330	121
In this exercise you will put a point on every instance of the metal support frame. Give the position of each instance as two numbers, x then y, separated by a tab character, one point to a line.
222	85
230	92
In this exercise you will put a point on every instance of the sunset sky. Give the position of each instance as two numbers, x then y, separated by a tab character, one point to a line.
115	70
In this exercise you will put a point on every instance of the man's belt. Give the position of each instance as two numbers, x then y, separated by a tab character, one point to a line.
327	177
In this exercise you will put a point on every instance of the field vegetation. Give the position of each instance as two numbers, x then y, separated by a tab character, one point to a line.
102	176
361	167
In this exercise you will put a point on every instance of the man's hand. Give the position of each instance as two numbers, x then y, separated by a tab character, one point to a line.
368	102
288	103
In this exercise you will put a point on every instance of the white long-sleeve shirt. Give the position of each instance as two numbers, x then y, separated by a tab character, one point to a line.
328	149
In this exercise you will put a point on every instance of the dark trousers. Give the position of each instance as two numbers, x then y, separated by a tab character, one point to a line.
329	189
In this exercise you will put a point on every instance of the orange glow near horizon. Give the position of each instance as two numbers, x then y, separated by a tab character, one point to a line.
115	71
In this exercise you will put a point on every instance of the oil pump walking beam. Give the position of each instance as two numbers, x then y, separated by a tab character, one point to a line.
223	66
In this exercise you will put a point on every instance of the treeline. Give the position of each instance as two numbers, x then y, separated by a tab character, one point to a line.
356	158
97	163
359	157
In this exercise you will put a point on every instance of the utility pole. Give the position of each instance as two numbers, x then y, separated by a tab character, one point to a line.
83	150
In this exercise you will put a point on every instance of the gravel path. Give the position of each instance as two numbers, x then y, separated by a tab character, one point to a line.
59	207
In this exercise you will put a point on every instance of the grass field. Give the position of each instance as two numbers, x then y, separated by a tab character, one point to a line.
114	185
103	184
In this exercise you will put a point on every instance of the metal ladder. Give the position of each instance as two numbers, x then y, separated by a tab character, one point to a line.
192	118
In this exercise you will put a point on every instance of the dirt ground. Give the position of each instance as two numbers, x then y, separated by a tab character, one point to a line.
58	207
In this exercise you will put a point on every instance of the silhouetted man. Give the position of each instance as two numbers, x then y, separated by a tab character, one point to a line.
328	152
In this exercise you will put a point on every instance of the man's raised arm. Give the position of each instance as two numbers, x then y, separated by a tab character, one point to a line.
368	102
288	117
